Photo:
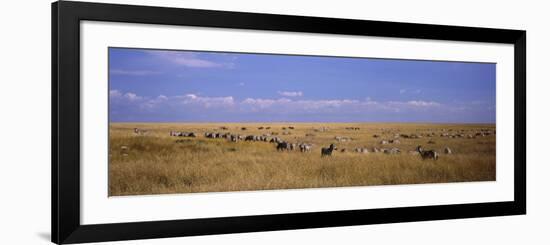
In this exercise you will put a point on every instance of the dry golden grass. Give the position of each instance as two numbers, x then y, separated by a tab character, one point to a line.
154	163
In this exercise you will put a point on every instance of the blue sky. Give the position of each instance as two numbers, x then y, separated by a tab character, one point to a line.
182	86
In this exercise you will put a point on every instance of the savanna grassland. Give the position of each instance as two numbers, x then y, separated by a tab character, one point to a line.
153	162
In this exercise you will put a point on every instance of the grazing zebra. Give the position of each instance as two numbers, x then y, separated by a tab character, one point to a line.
276	140
281	146
305	147
362	150
392	151
292	146
182	134
327	151
138	131
427	154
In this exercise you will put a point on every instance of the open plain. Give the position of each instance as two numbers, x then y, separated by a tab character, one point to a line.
158	158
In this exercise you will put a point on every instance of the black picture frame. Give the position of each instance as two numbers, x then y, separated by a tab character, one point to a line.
66	17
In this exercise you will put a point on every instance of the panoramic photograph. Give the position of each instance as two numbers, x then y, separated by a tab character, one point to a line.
201	121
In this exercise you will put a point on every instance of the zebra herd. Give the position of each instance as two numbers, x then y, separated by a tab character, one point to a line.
183	134
281	145
287	146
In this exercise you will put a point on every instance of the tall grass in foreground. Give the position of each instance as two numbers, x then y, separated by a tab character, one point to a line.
155	163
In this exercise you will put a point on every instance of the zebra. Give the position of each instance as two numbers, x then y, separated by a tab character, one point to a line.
281	146
328	151
292	146
392	151
427	154
275	140
362	150
304	147
139	131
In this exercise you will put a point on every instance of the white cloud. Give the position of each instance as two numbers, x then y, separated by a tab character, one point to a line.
196	102
207	102
114	93
132	97
129	96
423	103
290	93
265	103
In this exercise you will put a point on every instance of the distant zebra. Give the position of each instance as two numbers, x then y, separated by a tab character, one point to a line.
429	154
139	131
327	151
304	147
362	150
276	140
292	146
392	151
281	146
